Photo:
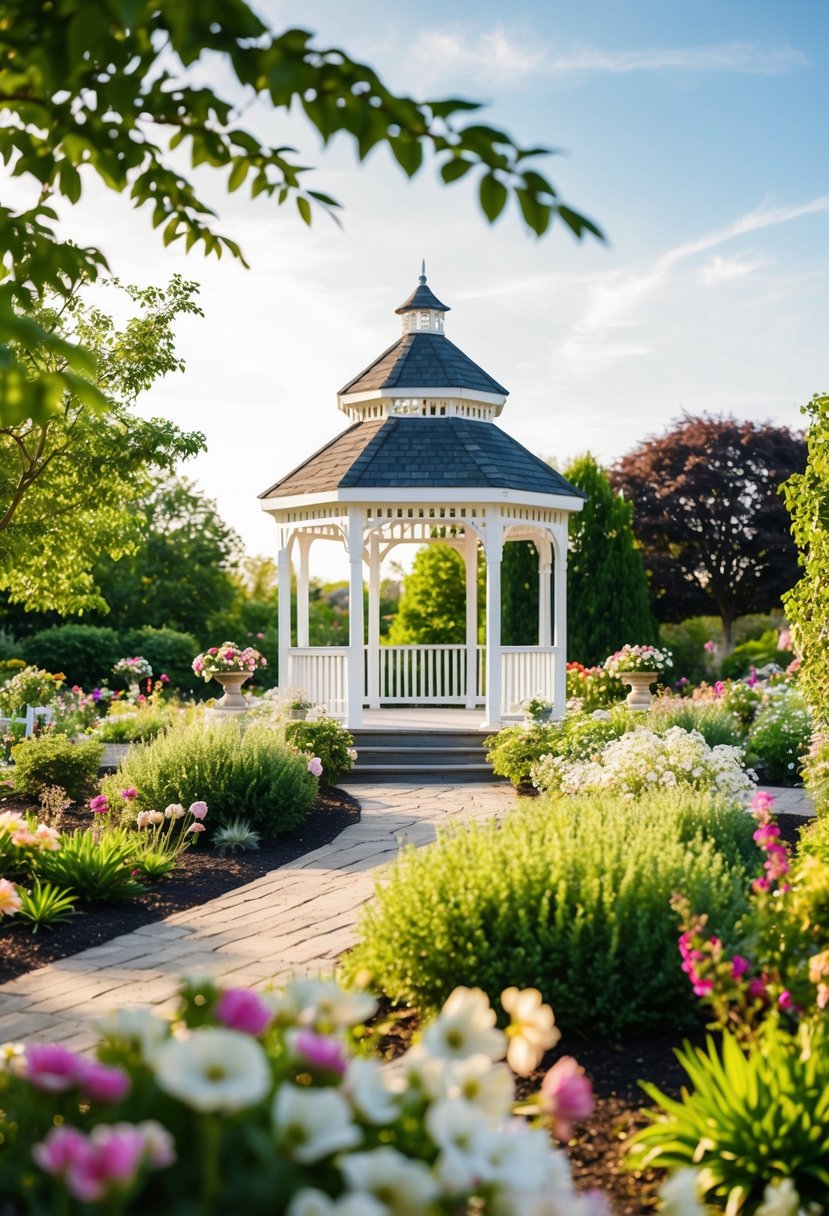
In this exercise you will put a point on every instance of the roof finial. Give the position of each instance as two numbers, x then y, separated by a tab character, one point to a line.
423	271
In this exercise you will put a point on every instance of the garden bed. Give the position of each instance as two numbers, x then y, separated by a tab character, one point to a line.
201	874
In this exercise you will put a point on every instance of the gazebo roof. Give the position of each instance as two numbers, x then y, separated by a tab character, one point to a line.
397	453
423	361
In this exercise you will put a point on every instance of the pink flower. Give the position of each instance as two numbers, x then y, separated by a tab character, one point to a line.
762	801
757	990
739	966
129	794
198	809
164	679
566	1096
51	1067
195	827
101	1083
320	1051
213	650
114	1156
709	646
229	654
61	1149
260	635
10	901
241	1009
703	987
99	805
315	766
143	819
785	1000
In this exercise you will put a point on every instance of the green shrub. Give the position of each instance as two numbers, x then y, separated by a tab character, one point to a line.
570	896
171	653
28	687
328	740
10	648
714	723
816	772
755	653
84	653
814	839
95	867
10	667
235	771
754	1116
780	736
686	641
133	725
514	750
53	759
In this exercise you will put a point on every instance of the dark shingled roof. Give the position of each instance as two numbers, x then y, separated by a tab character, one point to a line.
424	361
422	297
397	453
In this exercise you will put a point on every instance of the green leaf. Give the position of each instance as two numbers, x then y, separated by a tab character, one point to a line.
455	169
493	195
304	209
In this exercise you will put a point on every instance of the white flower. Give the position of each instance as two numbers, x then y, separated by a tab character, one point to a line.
779	1199
515	1156
139	1027
12	1056
465	1027
405	1187
418	1073
323	1005
213	1070
680	1195
365	1086
312	1123
486	1086
454	1125
532	1029
311	1202
174	811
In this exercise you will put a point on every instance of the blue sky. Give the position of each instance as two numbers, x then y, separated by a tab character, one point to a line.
695	134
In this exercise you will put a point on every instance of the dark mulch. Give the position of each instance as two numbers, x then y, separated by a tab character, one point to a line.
597	1149
201	875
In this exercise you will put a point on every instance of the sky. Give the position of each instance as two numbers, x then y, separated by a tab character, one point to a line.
695	134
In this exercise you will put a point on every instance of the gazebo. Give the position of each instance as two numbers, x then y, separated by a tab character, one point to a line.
423	461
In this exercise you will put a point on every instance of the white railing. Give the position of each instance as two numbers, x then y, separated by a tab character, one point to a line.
426	675
526	671
322	671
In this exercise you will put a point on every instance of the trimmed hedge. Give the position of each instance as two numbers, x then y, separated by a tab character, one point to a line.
53	759
84	653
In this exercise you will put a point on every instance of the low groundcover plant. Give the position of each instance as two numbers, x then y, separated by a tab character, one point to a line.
259	1104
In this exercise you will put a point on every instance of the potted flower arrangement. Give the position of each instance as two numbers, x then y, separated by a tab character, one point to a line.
638	667
299	704
135	670
231	666
537	710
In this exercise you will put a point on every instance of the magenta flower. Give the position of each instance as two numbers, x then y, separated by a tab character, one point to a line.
100	1083
51	1067
709	646
129	794
164	679
315	766
61	1149
114	1156
762	801
566	1096
198	809
785	1001
320	1051
241	1009
739	966
757	990
99	805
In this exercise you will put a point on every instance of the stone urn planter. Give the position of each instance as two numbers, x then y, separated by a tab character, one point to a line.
232	702
299	715
639	683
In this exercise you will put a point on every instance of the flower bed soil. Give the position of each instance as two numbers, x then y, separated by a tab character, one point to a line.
201	874
596	1150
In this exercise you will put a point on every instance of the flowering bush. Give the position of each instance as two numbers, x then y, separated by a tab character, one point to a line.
228	657
777	960
781	734
31	686
637	658
326	740
641	760
258	1104
516	749
136	668
590	688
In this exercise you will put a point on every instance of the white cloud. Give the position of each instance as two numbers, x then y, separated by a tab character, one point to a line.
725	269
501	57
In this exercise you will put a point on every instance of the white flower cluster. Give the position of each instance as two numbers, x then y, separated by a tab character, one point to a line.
641	760
448	1100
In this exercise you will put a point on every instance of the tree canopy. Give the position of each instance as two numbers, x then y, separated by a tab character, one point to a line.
433	602
807	604
111	88
71	482
607	591
709	517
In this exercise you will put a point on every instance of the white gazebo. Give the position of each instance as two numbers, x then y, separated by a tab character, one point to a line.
423	461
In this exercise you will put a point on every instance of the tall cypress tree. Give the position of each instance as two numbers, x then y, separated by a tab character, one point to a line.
607	591
519	594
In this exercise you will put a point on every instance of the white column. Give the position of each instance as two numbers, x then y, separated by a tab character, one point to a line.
356	654
544	603
373	689
471	560
560	641
302	611
283	567
494	551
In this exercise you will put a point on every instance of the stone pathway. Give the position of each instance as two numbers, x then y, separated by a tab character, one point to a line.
297	918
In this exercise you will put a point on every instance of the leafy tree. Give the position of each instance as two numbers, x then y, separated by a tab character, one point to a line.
709	517
519	594
107	87
180	574
69	483
807	603
433	603
607	592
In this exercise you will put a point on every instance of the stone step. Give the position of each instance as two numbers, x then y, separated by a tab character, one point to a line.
438	773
